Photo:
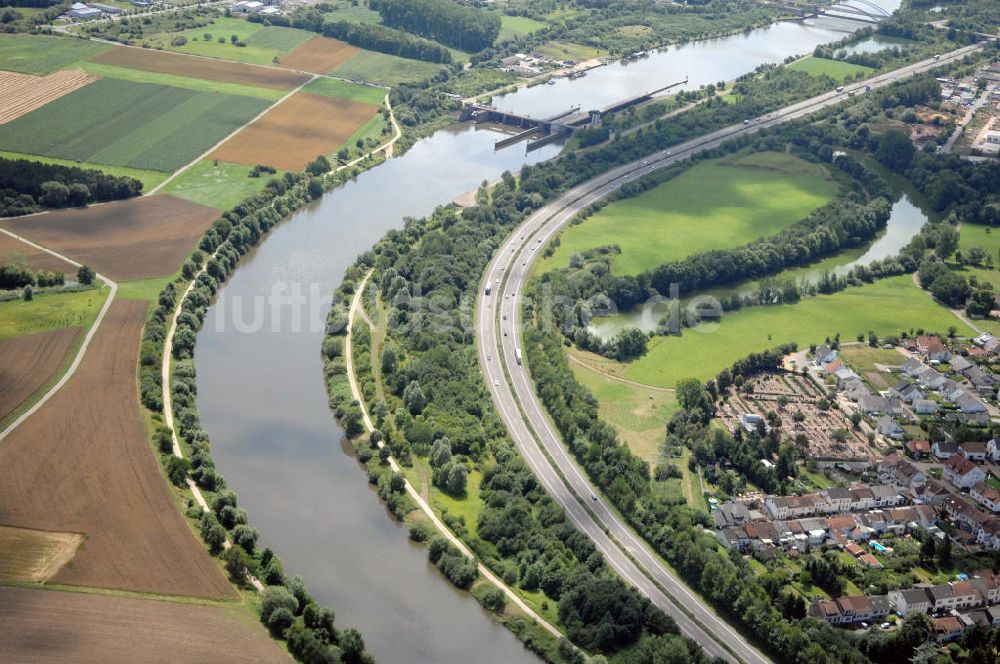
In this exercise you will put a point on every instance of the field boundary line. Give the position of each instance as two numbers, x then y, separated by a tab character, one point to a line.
591	367
212	149
86	339
414	494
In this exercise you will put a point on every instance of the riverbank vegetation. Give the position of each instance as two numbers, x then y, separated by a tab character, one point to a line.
431	409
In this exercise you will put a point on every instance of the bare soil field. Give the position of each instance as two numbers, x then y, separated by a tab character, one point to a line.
52	627
163	62
24	93
34	555
15	252
27	362
82	463
320	55
134	239
294	133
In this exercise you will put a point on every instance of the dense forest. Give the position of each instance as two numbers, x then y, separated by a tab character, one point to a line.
30	186
444	21
363	35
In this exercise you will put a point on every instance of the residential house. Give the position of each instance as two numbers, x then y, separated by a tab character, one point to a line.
988	533
918	449
986	496
914	600
925	406
993	449
838	498
885	495
790	507
947	628
730	513
912	367
962	473
959	363
854	389
844	375
890	428
733	538
984	340
973	451
824	354
906	390
967	403
931	379
943	450
988	585
966	594
942	598
932	492
873	404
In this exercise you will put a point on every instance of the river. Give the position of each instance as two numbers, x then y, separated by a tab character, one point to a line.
260	388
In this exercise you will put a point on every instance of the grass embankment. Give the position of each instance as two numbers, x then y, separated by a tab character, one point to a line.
331	87
888	306
217	184
750	197
835	69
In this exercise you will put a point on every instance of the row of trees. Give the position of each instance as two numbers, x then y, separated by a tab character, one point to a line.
13	277
444	21
365	35
30	186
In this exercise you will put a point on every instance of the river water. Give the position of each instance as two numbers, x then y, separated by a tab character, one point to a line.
261	393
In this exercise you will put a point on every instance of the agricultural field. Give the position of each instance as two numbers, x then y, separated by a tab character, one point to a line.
513	26
52	627
201	84
82	463
835	69
50	311
753	196
888	306
320	55
34	555
216	184
134	239
30	54
262	45
28	362
15	252
138	125
24	93
332	87
177	64
385	69
639	414
294	133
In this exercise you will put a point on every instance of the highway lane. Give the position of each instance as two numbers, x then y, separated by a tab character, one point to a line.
498	338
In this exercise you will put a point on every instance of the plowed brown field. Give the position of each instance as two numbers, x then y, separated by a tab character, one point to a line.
320	55
82	463
133	239
15	252
54	627
295	132
163	62
23	93
27	362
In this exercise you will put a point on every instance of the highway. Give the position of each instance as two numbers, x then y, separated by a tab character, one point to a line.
498	340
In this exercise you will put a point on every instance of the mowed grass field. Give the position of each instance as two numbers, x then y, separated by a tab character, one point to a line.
888	306
123	123
217	184
751	197
512	26
385	69
31	54
835	69
50	311
638	414
986	237
331	87
263	43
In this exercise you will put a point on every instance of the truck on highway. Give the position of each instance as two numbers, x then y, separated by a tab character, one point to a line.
489	287
517	355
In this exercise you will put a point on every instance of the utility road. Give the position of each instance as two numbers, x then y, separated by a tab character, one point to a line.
498	339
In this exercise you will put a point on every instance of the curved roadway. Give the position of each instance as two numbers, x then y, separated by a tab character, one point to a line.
498	341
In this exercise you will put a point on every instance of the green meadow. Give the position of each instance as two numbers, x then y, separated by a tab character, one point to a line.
750	197
31	54
835	69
